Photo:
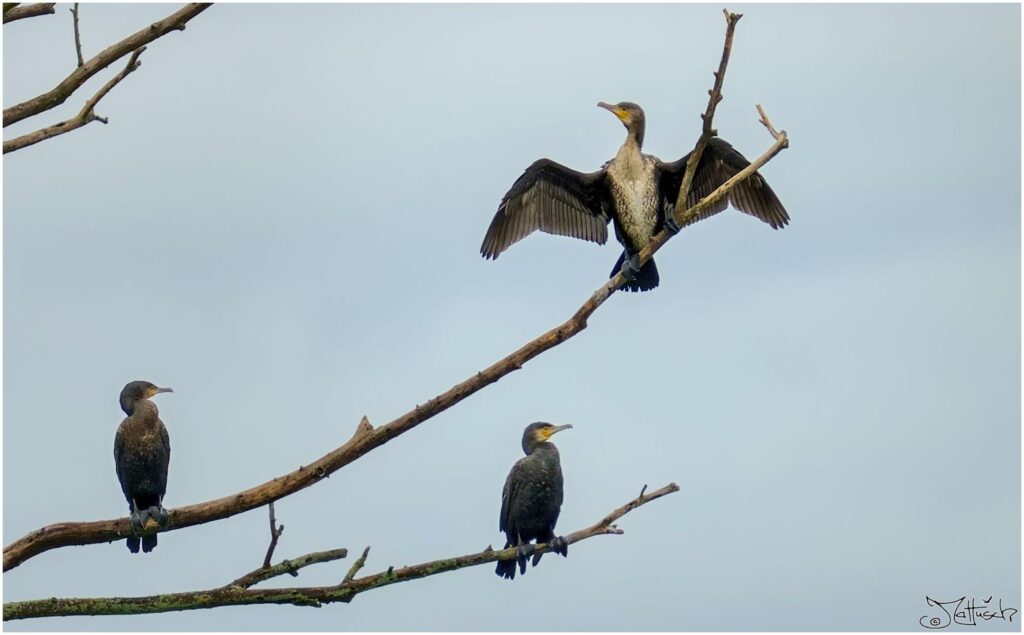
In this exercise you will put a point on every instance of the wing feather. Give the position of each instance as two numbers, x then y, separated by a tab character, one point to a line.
554	199
719	163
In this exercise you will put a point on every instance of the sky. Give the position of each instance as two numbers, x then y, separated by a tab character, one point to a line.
282	222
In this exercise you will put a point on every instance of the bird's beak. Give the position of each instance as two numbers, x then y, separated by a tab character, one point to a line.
612	109
567	426
160	390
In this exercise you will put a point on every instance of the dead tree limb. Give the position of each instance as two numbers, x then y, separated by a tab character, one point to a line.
290	567
366	437
275	533
60	93
78	35
84	117
17	11
715	96
238	592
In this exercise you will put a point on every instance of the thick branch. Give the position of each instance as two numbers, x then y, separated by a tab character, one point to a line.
238	593
84	117
366	438
19	11
71	83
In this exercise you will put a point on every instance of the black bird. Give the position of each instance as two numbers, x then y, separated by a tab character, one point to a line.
635	190
532	499
142	452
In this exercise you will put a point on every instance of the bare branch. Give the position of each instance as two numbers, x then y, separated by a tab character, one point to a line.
78	37
17	11
714	96
364	441
768	124
59	94
85	116
275	533
356	566
238	593
290	567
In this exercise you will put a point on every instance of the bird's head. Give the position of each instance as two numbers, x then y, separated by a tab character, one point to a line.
631	115
538	433
135	390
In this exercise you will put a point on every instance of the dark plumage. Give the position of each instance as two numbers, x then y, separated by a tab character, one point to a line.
142	452
636	191
532	499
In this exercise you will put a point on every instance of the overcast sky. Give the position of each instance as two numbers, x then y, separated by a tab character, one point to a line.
282	221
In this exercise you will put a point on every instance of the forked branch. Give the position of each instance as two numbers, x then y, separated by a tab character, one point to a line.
84	117
367	437
59	94
239	592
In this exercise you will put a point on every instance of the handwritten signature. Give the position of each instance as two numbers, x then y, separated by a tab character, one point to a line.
965	612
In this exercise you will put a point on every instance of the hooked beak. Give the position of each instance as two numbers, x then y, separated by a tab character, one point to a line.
567	426
615	110
160	390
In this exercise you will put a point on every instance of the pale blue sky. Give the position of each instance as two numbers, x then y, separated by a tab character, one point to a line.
282	222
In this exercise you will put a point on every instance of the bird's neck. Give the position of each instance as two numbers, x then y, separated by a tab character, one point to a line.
629	154
545	449
635	134
145	412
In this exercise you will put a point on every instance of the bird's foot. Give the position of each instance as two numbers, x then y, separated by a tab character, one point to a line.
631	267
559	545
523	553
671	225
150	518
137	519
160	515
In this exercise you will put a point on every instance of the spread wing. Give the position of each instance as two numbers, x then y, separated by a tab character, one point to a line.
718	164
554	199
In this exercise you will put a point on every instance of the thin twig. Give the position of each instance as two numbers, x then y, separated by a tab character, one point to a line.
238	593
768	124
78	37
83	533
275	533
60	93
85	116
356	566
708	116
21	11
290	567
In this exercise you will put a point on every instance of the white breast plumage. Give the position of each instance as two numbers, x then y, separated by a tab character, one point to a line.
634	188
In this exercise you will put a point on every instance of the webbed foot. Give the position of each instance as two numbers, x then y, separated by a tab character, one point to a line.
160	514
559	545
631	267
137	519
523	553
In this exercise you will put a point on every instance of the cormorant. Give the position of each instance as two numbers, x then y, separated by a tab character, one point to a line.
635	190
532	499
142	452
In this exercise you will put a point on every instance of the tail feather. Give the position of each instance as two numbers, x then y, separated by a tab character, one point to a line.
148	543
646	280
506	569
133	544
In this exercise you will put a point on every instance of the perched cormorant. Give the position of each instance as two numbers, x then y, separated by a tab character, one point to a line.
142	452
635	190
531	499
